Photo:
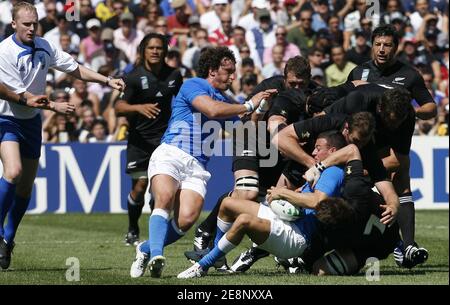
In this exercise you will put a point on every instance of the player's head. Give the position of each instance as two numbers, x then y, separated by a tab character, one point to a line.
359	128
335	211
327	143
153	49
384	44
394	107
218	66
297	73
24	22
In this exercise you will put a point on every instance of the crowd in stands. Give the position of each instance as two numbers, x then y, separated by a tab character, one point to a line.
263	34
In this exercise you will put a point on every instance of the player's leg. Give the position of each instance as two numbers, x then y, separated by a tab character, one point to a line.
12	171
135	203
337	262
412	253
256	228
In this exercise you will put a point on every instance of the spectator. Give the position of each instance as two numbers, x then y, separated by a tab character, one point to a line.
173	59
62	27
191	56
127	38
87	119
276	67
290	49
211	20
238	41
114	21
222	35
49	22
338	72
86	13
80	94
251	21
167	9
148	24
361	52
248	83
304	36
99	133
91	45
352	21
261	37
318	76
177	23
335	32
321	15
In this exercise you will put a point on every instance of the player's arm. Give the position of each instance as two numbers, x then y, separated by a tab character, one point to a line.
287	142
218	110
420	93
392	203
88	75
304	200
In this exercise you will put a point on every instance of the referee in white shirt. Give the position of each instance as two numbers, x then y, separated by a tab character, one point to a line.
24	63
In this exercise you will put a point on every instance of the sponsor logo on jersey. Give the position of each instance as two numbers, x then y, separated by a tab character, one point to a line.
144	82
398	80
305	135
131	164
365	74
348	170
159	94
171	83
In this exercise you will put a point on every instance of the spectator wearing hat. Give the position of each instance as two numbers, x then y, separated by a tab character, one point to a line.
290	49
178	23
222	36
338	72
127	38
62	27
303	36
261	37
323	40
110	57
211	20
250	20
361	52
91	45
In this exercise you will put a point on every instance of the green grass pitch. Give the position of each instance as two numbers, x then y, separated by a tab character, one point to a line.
45	242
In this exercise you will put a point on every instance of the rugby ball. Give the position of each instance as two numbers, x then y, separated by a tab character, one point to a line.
286	210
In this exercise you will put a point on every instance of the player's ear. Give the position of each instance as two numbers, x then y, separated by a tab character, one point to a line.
13	24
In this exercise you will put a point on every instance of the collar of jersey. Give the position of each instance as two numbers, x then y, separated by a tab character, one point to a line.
28	48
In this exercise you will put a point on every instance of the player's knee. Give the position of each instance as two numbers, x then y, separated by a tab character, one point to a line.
13	173
163	199
244	221
187	220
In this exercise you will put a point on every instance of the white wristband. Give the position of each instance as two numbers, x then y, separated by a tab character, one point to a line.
261	106
249	105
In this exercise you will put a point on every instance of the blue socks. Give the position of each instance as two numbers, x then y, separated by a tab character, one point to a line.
158	226
15	215
173	234
7	193
222	228
223	247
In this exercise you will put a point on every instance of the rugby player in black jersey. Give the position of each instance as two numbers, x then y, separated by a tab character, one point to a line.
147	106
386	69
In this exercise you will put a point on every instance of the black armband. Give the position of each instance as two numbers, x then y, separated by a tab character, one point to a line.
320	166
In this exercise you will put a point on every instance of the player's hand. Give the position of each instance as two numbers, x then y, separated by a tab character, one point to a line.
263	95
37	101
389	214
149	110
312	175
274	193
117	83
62	108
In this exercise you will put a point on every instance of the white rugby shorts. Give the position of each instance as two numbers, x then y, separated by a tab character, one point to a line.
188	171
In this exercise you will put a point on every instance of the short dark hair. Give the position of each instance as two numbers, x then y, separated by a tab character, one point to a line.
386	30
395	102
335	211
146	39
334	138
363	123
299	66
211	59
